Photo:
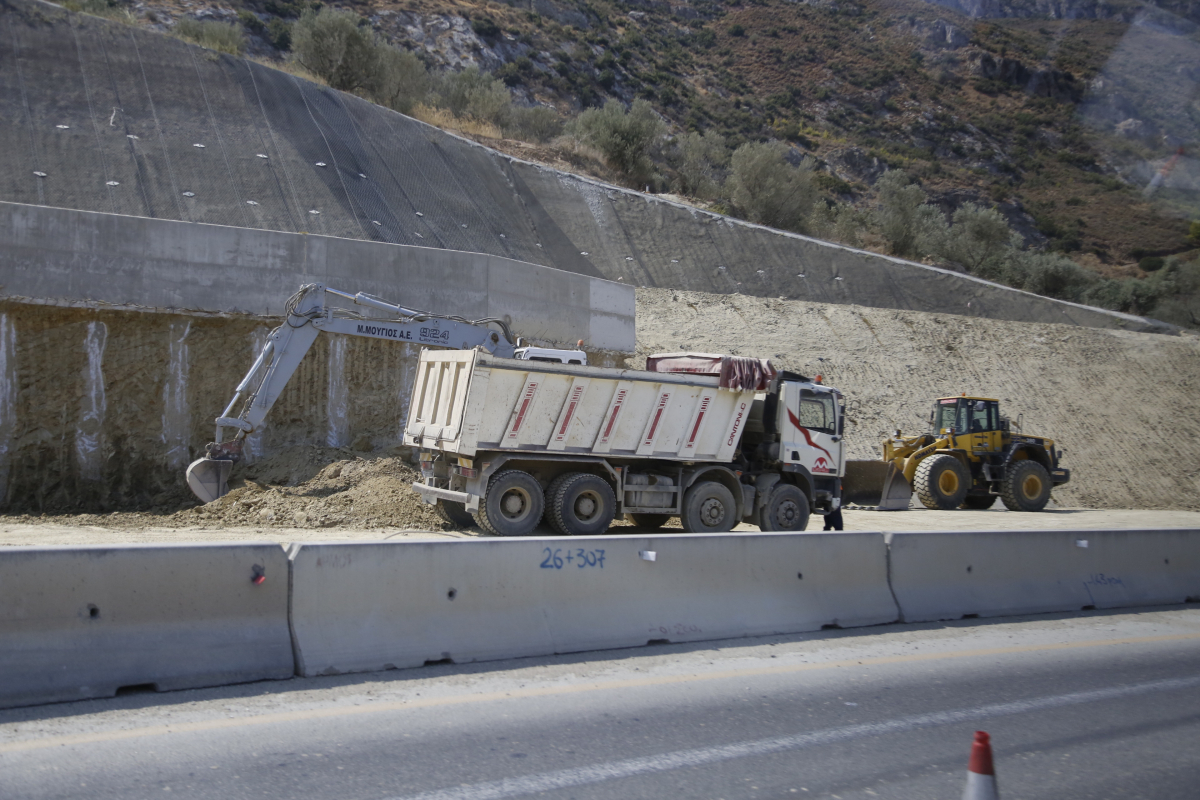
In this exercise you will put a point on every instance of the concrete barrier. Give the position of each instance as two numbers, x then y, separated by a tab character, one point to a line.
66	257
360	607
83	622
990	574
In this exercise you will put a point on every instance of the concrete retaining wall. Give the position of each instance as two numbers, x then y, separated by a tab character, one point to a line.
68	257
82	622
951	575
360	607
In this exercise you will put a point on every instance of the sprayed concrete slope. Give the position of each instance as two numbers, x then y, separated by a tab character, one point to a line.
127	121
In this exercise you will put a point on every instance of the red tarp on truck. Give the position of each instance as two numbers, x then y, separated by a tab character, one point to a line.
735	372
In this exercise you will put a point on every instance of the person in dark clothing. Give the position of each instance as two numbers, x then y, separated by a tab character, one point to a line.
833	520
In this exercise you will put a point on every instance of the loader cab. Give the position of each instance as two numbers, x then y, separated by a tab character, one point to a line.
977	418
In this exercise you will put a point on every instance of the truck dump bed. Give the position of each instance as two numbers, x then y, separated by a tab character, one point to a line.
464	402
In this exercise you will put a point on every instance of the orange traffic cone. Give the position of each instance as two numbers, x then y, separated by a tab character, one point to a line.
981	775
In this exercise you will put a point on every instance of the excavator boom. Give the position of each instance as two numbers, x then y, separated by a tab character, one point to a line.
308	314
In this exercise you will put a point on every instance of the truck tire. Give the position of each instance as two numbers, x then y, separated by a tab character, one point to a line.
1026	486
651	521
513	504
581	505
979	502
941	482
455	513
708	507
786	509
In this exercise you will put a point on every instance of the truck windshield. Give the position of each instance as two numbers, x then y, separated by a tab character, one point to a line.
818	412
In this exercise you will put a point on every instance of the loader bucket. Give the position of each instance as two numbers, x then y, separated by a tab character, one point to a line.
207	478
876	484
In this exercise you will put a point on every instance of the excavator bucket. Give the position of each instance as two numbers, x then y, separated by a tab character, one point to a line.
208	478
877	484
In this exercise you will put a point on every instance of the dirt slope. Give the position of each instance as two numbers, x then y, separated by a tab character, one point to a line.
1124	405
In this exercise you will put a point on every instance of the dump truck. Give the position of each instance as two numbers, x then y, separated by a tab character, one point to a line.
713	440
969	457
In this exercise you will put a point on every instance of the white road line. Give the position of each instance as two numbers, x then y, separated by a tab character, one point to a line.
597	773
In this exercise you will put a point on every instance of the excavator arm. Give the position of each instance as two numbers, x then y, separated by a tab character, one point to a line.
308	313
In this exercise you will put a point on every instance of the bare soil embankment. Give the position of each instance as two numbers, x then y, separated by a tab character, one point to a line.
1123	405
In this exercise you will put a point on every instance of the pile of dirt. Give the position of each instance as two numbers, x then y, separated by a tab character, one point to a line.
301	487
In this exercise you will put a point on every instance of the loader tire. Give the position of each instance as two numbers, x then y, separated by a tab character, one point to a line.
979	502
786	509
650	521
581	505
513	504
1026	486
941	482
455	513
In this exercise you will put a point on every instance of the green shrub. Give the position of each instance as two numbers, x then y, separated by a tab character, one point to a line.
401	80
979	239
840	222
251	22
225	37
1151	263
911	227
698	158
764	188
737	30
485	28
623	137
1194	232
279	34
337	46
474	94
536	124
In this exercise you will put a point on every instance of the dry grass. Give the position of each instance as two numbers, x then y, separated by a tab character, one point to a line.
290	67
444	119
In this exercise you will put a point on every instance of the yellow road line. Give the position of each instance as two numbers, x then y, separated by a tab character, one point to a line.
549	691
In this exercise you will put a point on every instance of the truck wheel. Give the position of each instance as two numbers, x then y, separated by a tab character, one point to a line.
581	505
513	504
979	502
651	521
708	507
1026	486
455	513
942	482
786	509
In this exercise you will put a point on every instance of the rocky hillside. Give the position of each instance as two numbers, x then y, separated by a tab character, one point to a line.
1076	120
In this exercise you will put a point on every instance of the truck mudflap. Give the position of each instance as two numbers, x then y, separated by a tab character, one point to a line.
1060	476
431	494
875	484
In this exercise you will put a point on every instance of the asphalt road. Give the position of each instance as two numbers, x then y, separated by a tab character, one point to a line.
1097	705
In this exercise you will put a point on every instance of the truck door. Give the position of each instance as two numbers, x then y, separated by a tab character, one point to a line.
811	437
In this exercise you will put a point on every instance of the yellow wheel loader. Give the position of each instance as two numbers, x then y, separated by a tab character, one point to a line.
969	457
